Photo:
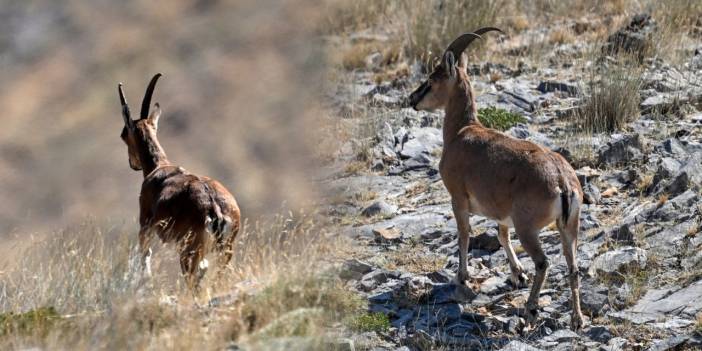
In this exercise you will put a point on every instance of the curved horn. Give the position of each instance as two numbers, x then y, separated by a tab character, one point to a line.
146	103
462	42
484	30
125	108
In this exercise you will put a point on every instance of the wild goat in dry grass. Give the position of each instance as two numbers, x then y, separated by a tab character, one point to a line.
515	182
195	212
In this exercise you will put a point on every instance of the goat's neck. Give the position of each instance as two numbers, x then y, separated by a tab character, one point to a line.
461	110
151	154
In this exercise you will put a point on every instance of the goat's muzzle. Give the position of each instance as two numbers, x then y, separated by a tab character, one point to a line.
419	94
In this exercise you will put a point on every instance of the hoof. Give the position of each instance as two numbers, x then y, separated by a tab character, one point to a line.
202	269
576	322
532	313
460	279
519	280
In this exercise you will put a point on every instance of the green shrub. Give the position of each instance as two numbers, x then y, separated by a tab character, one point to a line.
498	118
377	322
37	321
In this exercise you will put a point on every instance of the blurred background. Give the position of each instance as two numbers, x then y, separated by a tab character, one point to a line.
238	97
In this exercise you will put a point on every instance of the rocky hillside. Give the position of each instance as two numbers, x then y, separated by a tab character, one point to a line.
639	252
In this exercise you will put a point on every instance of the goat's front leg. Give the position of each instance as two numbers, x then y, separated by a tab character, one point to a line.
145	249
462	214
519	279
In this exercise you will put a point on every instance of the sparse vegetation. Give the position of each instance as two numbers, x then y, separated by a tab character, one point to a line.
500	119
613	99
88	276
644	184
561	36
414	260
301	307
34	322
636	279
675	19
367	322
662	199
426	37
358	55
78	287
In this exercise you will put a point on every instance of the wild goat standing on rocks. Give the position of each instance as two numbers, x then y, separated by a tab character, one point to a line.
192	211
514	182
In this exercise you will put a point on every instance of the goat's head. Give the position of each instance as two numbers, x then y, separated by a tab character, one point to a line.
136	131
435	91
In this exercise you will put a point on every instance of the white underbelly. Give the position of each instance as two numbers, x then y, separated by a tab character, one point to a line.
476	209
555	208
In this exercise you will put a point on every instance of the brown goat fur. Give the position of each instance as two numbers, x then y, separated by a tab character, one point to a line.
195	212
514	182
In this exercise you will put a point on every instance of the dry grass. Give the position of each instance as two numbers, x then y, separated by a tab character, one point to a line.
356	167
679	27
662	199
613	98
417	188
423	28
693	230
89	277
237	103
545	10
343	16
414	260
636	279
427	37
518	23
412	25
561	36
364	196
644	184
357	55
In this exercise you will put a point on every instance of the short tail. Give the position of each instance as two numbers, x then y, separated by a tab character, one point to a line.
570	203
566	197
218	224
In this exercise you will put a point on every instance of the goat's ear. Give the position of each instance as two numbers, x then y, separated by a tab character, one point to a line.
463	62
450	64
155	115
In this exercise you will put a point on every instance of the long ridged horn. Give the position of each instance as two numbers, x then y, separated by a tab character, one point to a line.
463	41
146	103
125	107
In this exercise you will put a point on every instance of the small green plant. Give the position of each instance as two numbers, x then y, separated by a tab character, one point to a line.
377	322
498	118
37	321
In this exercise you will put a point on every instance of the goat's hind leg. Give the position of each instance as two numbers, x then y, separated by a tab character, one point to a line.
518	277
529	238
193	263
225	251
569	239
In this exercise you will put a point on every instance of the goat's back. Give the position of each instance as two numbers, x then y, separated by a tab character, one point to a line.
497	170
183	202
